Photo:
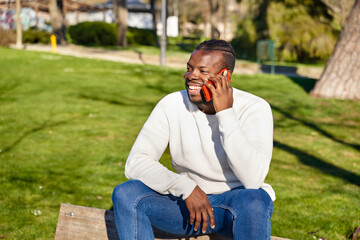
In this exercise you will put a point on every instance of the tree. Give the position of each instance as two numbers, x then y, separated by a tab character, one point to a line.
341	76
121	15
341	7
287	24
214	7
57	20
19	44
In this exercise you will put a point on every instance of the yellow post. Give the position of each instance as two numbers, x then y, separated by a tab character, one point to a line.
53	43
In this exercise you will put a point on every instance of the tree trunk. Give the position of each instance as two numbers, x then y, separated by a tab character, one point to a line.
225	14
341	76
214	7
57	20
121	16
154	21
19	44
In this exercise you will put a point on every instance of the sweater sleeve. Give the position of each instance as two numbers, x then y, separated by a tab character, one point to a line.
143	161
248	142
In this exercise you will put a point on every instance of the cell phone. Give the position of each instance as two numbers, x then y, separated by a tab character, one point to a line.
206	91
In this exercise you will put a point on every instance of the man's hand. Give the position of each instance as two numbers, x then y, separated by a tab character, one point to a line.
200	209
222	93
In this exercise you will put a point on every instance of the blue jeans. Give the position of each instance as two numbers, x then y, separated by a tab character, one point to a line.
239	213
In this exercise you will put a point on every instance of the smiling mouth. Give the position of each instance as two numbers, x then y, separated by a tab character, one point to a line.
195	93
192	87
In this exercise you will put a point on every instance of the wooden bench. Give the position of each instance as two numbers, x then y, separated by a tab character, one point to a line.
78	222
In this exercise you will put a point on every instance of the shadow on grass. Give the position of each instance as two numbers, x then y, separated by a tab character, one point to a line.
316	128
306	83
160	87
31	131
319	164
140	56
124	102
291	72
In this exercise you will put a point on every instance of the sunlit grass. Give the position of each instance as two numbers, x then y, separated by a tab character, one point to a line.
67	125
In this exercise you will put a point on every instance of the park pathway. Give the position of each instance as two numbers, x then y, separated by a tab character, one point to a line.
137	57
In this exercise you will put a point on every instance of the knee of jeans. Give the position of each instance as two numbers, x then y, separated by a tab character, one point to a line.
255	202
128	191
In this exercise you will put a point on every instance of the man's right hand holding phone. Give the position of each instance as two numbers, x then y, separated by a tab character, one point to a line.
222	92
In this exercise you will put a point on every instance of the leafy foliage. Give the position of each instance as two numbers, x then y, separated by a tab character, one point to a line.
104	34
36	36
300	33
93	33
304	31
141	36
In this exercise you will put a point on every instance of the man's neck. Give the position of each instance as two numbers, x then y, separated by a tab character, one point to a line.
207	108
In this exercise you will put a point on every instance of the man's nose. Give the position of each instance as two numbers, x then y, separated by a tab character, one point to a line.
193	75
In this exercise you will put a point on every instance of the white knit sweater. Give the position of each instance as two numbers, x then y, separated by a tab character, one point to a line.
216	152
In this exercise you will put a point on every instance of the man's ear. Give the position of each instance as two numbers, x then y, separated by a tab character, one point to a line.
229	72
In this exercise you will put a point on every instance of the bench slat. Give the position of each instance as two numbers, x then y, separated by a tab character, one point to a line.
78	222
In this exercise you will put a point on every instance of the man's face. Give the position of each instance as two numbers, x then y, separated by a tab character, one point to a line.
201	65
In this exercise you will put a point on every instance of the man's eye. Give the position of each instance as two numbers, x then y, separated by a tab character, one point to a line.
204	72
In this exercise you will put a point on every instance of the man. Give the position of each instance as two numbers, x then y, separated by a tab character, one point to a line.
221	151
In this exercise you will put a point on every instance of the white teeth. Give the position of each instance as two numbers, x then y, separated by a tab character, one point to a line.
194	87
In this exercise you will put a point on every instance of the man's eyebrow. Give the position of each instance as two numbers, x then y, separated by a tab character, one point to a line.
200	67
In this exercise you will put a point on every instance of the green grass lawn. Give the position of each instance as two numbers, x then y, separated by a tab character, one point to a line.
67	125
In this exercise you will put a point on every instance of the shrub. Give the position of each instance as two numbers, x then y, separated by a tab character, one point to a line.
141	36
7	37
102	33
36	36
93	33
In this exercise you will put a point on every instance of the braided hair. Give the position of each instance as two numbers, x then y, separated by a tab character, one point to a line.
224	47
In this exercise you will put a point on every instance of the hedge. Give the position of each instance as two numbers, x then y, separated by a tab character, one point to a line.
93	33
104	34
